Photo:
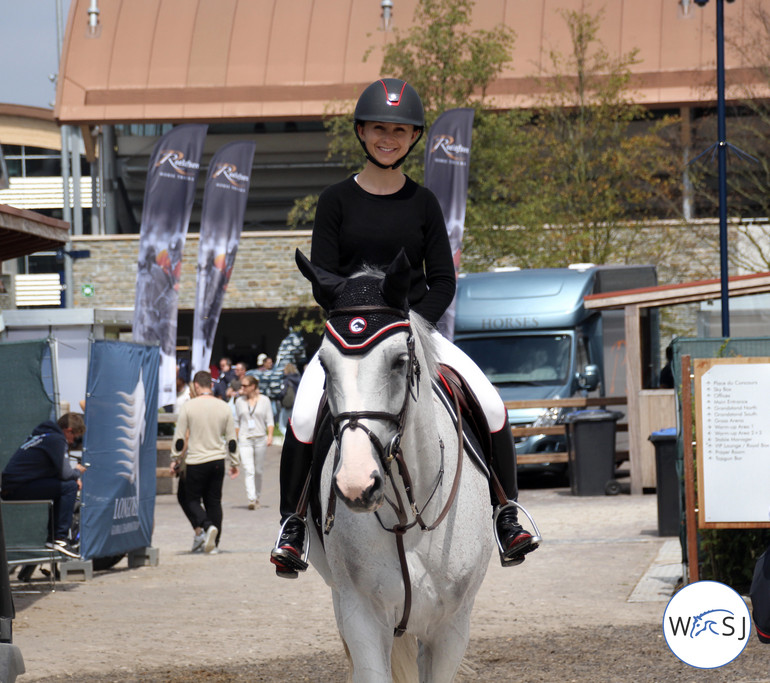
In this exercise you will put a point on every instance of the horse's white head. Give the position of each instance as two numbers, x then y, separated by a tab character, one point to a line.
368	354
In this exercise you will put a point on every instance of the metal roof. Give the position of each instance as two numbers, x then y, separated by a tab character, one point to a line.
186	60
680	293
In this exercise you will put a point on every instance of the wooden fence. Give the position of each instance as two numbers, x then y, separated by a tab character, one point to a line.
561	429
164	442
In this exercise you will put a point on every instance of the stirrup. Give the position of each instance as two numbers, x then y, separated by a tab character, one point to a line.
534	543
289	560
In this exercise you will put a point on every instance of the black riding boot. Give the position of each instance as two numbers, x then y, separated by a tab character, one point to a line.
296	461
514	540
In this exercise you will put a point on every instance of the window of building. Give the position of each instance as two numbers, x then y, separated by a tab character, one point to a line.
28	162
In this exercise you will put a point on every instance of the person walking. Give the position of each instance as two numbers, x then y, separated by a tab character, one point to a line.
254	427
368	219
291	379
240	370
204	439
226	375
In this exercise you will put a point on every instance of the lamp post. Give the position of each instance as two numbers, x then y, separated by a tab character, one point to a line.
722	163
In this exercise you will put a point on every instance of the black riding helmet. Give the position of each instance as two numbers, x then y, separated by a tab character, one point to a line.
390	100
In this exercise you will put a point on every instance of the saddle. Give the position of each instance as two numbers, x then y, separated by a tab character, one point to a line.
450	383
475	427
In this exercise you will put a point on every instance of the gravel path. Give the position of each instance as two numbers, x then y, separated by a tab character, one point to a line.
563	615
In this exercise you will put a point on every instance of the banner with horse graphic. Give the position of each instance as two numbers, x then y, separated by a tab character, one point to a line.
447	165
224	206
118	496
168	200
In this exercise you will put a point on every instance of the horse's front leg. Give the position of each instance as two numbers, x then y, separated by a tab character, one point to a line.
369	641
441	654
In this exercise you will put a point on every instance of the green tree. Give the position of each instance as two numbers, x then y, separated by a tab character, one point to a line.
449	64
549	186
597	161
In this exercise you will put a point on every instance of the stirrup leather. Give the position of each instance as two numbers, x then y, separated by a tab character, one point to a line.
534	542
289	559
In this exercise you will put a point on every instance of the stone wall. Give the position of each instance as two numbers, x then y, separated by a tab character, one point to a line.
6	292
265	275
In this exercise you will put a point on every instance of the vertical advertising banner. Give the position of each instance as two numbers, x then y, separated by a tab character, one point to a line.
447	164
224	206
118	497
168	199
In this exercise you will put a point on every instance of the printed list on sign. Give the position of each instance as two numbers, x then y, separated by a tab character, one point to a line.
734	410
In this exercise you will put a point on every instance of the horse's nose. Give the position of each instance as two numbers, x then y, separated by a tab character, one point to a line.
363	498
357	479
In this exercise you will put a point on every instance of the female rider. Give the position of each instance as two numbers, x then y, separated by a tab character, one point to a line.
368	219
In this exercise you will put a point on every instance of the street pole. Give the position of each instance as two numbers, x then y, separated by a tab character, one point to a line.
65	170
722	166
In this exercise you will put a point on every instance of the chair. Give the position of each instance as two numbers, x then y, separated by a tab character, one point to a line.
26	525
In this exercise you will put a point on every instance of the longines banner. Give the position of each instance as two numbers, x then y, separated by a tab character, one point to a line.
118	496
224	206
168	200
447	164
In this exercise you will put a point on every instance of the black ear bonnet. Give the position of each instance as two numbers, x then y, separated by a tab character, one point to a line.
363	309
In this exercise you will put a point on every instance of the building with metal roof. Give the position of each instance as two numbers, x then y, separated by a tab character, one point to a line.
271	70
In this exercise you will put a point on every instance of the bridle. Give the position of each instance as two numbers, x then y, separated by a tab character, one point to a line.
392	452
351	419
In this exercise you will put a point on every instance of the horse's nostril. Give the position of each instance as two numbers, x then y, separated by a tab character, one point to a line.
377	485
373	494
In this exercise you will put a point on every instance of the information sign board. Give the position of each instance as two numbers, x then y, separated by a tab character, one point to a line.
732	405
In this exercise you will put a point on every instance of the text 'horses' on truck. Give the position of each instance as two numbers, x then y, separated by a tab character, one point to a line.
531	335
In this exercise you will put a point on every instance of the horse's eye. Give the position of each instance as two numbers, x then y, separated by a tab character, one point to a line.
399	363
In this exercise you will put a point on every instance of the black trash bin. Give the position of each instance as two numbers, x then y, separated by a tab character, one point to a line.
667	481
591	438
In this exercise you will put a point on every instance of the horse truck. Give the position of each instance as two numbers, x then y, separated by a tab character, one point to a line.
531	335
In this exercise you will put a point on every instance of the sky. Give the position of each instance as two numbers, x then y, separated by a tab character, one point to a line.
28	51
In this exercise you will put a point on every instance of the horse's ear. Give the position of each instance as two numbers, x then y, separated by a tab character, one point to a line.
395	286
326	286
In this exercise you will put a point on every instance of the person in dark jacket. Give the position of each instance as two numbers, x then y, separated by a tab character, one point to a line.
40	470
288	393
760	597
226	375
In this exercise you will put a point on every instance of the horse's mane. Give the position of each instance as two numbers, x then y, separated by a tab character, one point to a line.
423	331
421	328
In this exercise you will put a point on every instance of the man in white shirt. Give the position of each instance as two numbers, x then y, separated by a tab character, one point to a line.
204	438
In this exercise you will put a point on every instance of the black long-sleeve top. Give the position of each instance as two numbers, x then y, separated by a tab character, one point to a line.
354	228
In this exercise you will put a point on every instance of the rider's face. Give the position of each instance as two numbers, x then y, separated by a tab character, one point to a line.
387	142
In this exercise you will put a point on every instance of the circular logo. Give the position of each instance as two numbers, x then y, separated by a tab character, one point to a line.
707	624
357	325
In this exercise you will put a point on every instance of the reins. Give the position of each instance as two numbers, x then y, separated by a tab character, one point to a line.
387	454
